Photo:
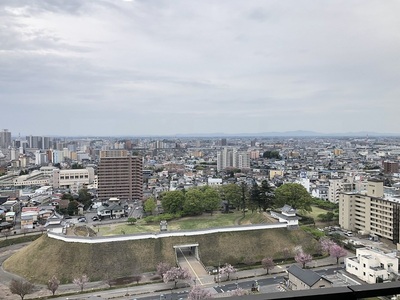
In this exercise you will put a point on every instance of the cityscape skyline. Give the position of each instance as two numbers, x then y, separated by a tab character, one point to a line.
163	68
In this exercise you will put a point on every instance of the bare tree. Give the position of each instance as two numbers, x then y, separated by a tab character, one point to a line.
6	233
137	278
286	253
268	264
81	281
21	288
53	284
24	230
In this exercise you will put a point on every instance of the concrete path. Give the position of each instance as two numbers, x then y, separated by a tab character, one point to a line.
197	270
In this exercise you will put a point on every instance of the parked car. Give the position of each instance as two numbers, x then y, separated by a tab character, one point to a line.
81	219
95	218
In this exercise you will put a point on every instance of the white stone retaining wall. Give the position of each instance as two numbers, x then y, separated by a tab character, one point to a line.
132	237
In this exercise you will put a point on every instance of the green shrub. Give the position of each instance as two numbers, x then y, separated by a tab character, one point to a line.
315	232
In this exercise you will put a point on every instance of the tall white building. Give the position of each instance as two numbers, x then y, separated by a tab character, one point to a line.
232	158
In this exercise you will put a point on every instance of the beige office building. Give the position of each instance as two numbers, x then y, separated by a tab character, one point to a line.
370	212
120	175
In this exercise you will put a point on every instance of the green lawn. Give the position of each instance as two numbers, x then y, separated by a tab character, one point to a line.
199	222
316	211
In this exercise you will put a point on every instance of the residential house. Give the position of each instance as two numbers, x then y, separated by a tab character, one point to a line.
304	279
113	211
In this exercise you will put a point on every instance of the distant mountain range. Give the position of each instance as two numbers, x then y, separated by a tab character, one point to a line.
297	133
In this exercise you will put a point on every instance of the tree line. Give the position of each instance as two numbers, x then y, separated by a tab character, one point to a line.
240	196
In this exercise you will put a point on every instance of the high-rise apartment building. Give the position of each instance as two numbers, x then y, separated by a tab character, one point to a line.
5	138
371	212
231	158
120	175
39	142
390	167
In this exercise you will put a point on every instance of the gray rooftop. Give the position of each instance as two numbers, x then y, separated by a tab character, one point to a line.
309	277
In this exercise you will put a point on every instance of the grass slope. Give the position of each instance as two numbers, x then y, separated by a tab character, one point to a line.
46	257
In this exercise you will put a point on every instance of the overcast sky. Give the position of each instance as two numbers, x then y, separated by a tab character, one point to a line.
109	67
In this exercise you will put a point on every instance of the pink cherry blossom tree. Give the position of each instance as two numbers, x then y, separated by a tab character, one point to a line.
175	273
197	293
337	252
81	281
303	258
326	244
239	292
162	268
53	284
268	264
228	269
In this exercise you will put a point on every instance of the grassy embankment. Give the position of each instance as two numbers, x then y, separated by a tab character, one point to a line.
46	257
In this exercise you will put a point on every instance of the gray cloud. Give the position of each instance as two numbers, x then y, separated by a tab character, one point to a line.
165	67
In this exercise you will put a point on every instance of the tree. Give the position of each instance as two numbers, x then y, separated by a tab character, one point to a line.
266	195
73	207
286	253
243	197
268	264
175	274
228	270
211	199
271	154
197	293
53	284
137	278
6	232
255	198
303	258
131	220
239	292
150	205
21	288
295	195
193	202
85	198
67	196
231	194
326	244
172	201
337	252
162	268
326	217
81	281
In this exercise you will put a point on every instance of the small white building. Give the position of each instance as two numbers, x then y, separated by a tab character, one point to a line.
214	181
288	216
372	265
